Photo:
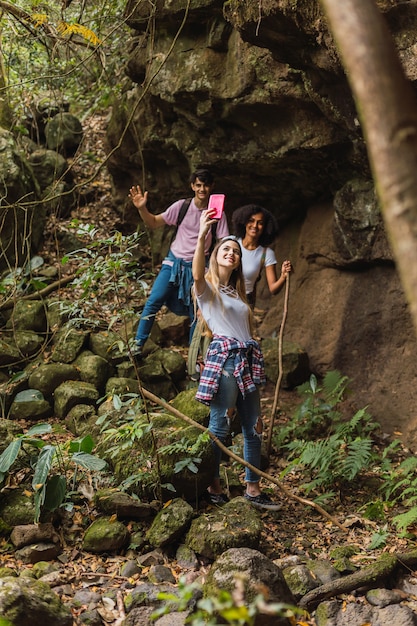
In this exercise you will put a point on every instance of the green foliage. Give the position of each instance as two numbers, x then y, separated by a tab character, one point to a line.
124	435
374	510
320	443
50	464
399	481
63	49
379	539
317	410
189	461
227	607
129	431
106	271
404	520
22	280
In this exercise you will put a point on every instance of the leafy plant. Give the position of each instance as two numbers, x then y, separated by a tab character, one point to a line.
399	482
107	271
404	520
332	451
230	608
189	461
129	431
23	280
317	410
62	49
50	464
379	539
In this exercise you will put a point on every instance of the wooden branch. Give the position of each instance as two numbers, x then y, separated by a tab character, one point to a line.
153	398
369	576
280	372
37	295
15	11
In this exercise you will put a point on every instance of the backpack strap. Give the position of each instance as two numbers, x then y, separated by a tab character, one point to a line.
183	210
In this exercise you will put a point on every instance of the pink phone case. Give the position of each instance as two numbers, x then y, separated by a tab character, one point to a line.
216	201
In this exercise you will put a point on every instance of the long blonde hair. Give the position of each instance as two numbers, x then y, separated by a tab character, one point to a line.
236	280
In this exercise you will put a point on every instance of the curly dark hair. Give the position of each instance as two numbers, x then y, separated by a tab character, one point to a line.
241	216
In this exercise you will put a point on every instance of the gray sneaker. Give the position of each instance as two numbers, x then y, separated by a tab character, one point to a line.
263	502
136	353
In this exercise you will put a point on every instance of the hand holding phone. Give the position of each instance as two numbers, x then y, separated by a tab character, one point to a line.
216	203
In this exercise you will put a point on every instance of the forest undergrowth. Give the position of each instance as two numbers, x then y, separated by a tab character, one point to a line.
367	506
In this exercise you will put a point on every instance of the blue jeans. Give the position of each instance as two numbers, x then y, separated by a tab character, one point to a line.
249	409
162	292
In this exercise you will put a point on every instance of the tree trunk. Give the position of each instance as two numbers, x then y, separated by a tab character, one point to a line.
387	109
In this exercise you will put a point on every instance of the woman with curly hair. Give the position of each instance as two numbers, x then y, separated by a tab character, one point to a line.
256	229
234	366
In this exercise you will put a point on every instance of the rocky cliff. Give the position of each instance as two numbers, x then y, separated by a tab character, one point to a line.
254	90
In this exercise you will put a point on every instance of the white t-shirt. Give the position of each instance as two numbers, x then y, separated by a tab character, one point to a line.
227	316
252	262
185	242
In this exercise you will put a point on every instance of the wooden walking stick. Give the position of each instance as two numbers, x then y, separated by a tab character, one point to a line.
278	383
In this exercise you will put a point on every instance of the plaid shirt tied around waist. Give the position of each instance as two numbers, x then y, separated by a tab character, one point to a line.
249	368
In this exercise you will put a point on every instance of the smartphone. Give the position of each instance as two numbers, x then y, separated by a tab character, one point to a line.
216	201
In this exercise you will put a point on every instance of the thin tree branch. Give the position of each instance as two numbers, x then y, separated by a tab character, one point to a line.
280	372
153	398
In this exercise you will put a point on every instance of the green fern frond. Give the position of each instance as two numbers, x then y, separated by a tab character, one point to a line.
358	457
320	454
408	465
392	448
323	498
404	520
360	415
334	385
409	495
67	30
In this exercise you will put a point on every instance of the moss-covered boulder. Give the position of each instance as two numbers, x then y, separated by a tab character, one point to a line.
28	342
30	405
93	369
48	376
71	393
235	525
257	574
106	535
300	580
68	344
167	456
25	602
173	363
28	315
8	431
17	507
170	523
186	403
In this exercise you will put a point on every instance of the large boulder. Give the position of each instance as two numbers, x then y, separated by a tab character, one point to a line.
256	574
24	602
22	217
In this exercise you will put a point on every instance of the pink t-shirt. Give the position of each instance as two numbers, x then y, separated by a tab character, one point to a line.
185	241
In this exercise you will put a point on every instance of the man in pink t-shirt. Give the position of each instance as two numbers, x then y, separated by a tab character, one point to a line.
172	286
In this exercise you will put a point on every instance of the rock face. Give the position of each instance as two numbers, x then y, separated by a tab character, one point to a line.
255	91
